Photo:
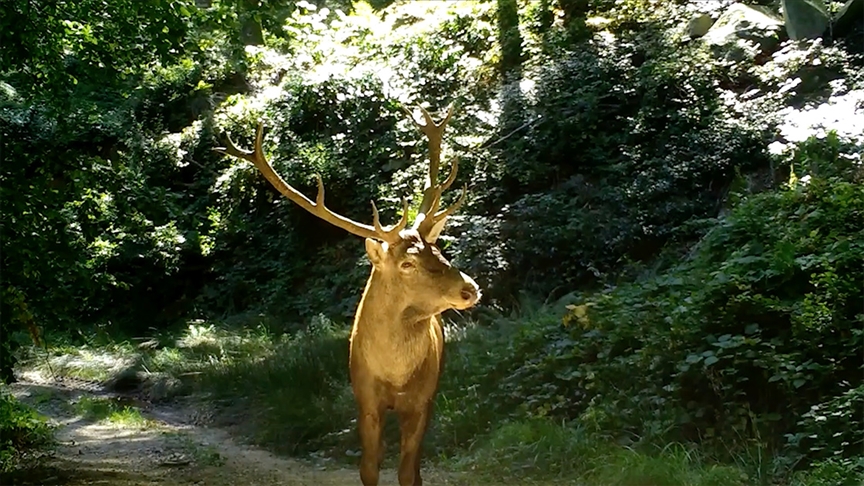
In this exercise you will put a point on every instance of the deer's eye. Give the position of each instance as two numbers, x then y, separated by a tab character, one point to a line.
407	264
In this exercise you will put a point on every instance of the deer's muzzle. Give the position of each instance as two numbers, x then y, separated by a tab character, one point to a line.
469	294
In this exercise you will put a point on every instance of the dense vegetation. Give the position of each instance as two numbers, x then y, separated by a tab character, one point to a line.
668	226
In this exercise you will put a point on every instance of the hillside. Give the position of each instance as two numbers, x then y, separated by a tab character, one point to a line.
665	216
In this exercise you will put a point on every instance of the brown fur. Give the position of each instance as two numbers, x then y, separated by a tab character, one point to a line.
397	346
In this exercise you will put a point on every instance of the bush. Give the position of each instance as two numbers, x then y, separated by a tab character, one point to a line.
22	430
649	146
754	336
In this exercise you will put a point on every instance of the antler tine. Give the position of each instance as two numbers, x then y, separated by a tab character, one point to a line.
431	122
430	225
233	150
256	156
454	169
434	133
453	207
376	221
430	221
432	194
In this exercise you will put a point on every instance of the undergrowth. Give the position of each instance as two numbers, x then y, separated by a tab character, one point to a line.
737	365
22	431
112	411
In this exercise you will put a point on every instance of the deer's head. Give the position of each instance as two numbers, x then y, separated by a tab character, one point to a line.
408	263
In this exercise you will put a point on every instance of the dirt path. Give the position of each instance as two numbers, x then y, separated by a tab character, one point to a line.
166	448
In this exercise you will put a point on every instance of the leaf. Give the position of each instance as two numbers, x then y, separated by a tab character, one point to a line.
710	360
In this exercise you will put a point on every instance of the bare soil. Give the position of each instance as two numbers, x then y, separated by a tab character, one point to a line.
169	449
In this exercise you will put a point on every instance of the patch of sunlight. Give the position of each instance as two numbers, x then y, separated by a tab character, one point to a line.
457	331
111	411
238	106
528	87
103	248
605	37
490	116
92	365
597	22
168	358
198	334
843	114
207	344
8	92
129	417
173	141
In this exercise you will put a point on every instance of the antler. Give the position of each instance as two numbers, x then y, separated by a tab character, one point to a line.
430	221
317	208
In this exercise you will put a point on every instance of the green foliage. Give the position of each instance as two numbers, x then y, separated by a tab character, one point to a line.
22	429
296	396
833	431
755	336
608	147
536	448
111	410
52	46
839	472
649	142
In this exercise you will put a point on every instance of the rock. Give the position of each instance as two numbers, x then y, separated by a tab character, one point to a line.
744	32
125	376
805	19
699	25
850	16
160	386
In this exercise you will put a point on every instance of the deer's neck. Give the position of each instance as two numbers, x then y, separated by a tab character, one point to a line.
391	339
384	305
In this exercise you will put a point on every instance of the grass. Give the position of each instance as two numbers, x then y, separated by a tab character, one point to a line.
113	411
202	455
293	395
542	450
23	431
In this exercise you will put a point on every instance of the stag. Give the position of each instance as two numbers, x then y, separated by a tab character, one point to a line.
397	340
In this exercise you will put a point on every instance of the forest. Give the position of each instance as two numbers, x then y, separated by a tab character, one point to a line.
664	213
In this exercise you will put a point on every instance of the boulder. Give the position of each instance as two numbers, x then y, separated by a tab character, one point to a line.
848	18
744	32
699	25
805	19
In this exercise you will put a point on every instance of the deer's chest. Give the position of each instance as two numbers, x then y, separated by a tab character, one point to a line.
396	357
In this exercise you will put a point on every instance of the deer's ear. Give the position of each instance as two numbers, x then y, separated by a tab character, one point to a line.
376	251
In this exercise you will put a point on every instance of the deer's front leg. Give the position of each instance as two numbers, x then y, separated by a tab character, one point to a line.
370	425
412	426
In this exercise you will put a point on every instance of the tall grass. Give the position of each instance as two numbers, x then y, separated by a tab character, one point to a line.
297	394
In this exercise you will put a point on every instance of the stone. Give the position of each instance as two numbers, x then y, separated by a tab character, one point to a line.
744	32
805	19
699	25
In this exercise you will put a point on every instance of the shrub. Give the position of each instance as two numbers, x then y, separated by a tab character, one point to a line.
22	429
755	335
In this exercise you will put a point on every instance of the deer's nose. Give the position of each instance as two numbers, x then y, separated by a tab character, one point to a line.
469	292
